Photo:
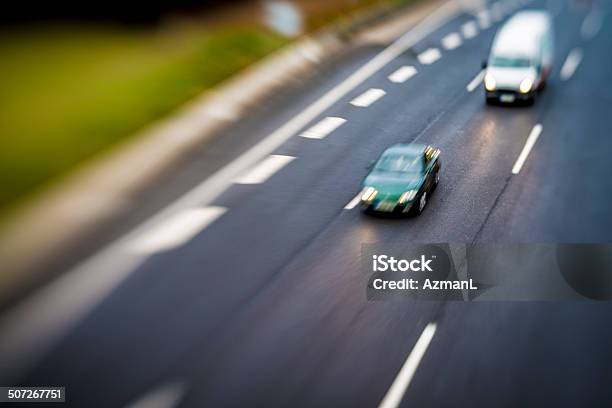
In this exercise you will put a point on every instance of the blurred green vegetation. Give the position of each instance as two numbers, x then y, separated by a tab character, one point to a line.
69	92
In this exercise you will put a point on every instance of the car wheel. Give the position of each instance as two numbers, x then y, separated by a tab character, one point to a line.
437	178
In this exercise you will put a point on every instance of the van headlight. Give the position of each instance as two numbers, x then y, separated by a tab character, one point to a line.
489	82
368	194
407	196
526	85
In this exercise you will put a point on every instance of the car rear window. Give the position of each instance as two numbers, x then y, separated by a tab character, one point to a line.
400	163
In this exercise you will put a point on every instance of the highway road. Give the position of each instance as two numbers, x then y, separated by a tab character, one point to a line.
247	290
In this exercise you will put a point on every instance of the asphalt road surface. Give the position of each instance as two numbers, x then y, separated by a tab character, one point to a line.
249	292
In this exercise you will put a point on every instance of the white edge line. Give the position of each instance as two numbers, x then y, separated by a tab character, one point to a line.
56	306
401	383
533	137
476	81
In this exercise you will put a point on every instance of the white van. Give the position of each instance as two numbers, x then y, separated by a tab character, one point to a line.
521	58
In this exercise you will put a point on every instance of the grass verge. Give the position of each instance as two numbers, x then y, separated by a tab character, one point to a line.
72	91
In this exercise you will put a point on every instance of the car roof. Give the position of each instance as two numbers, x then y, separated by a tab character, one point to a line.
521	33
412	149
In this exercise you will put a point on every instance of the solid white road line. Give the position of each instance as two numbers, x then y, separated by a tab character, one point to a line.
403	74
571	63
353	203
34	326
429	56
451	41
396	392
533	137
476	81
176	230
323	128
368	97
469	29
265	169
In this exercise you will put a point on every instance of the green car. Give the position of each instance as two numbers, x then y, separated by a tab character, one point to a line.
402	179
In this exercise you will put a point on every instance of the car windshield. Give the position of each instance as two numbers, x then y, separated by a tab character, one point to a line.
506	62
400	163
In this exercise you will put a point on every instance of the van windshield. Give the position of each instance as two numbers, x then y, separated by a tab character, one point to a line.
506	62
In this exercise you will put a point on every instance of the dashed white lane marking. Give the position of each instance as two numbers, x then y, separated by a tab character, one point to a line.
469	29
496	11
353	203
476	81
396	392
508	6
403	74
592	24
555	6
323	128
571	63
429	56
368	97
484	19
175	231
451	41
265	169
533	137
